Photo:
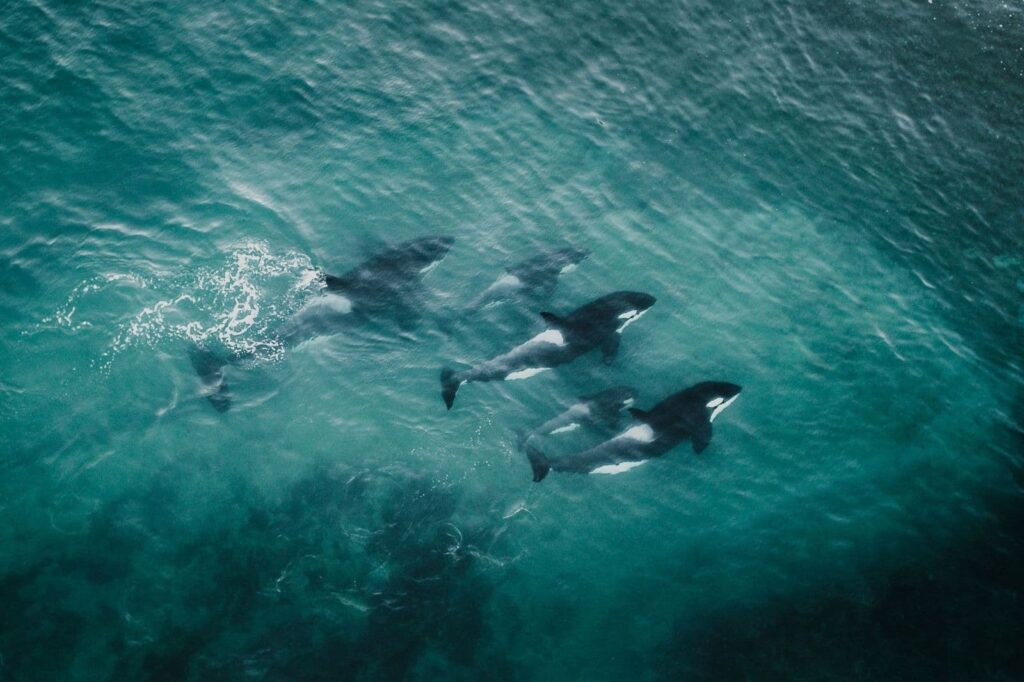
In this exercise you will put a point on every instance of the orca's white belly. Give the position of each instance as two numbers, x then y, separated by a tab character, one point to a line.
526	373
618	468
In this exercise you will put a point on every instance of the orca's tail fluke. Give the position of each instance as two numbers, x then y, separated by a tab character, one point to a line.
449	386
210	368
538	462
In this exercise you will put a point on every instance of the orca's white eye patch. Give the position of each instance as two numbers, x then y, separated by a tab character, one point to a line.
720	404
630	317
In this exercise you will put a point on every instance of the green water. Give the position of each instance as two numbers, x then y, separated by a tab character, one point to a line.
824	198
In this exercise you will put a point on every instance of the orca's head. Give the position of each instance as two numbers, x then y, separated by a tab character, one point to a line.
628	306
569	257
716	396
425	252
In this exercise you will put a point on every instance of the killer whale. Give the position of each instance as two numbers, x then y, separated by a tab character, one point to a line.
377	282
686	414
603	408
386	286
597	324
534	277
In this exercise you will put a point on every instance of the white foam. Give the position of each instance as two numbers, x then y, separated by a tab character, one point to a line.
235	305
618	468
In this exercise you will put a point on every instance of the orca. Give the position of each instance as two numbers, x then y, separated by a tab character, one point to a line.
600	409
534	277
384	287
597	324
686	414
388	276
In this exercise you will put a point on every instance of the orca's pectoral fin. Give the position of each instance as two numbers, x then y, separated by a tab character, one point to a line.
701	437
610	348
449	386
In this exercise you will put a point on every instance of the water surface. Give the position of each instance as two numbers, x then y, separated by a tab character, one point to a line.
825	201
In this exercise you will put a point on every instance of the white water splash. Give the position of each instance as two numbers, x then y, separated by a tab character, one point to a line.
235	306
80	296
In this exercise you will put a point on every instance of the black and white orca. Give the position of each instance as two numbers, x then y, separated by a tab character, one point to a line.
686	414
534	277
383	287
597	324
386	286
603	408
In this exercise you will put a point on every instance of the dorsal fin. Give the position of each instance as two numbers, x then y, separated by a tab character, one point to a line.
552	319
638	414
335	283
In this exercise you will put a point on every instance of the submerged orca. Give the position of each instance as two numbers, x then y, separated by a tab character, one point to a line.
533	277
602	408
384	287
597	324
686	414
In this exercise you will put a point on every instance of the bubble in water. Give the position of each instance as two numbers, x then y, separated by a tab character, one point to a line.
234	307
64	316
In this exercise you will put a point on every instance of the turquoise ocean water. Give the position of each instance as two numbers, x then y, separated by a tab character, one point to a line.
825	198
